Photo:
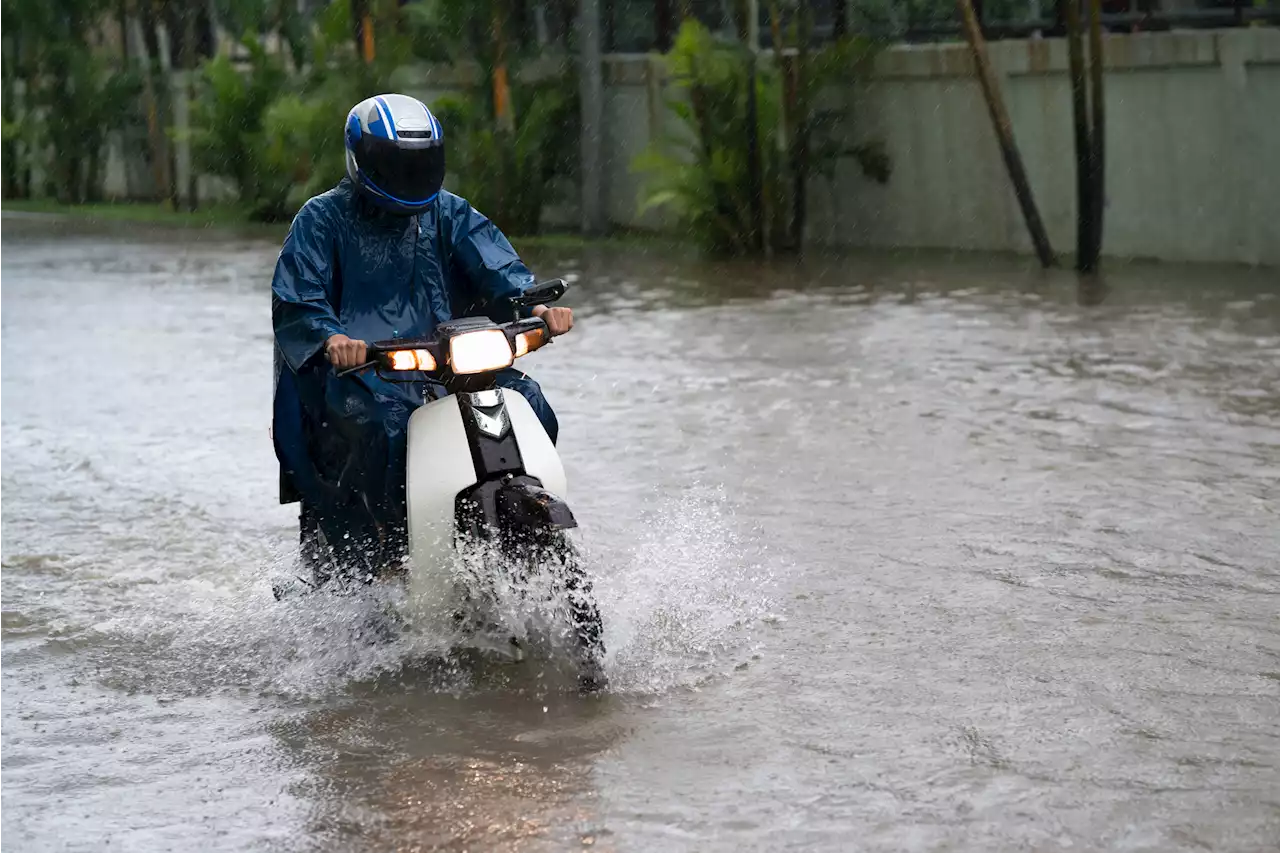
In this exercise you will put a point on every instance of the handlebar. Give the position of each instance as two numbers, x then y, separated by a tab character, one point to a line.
343	374
438	346
542	293
523	336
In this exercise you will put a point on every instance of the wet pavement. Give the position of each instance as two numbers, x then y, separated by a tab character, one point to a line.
895	553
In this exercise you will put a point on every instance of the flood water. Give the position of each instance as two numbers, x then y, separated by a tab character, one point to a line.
916	553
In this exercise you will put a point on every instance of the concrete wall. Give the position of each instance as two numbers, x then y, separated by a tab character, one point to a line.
1193	147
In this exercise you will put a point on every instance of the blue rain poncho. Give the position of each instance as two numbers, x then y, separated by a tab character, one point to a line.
348	268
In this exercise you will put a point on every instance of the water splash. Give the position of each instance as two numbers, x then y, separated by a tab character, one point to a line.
237	637
677	602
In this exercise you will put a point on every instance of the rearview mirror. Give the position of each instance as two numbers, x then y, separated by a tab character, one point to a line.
542	293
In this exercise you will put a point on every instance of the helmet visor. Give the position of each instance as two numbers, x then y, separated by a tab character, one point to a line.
406	172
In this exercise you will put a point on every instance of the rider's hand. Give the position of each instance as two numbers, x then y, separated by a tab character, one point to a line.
343	352
558	320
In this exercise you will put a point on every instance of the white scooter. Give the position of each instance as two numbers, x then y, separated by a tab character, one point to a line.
482	475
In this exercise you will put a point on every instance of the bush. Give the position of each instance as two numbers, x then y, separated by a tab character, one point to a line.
506	167
278	134
509	175
279	149
227	128
701	172
302	144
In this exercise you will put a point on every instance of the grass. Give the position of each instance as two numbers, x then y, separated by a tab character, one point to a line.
143	213
235	217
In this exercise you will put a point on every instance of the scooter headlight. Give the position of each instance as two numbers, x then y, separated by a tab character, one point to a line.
480	352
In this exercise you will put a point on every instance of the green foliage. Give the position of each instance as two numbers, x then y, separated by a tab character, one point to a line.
700	171
254	17
96	100
303	145
510	174
270	122
303	129
276	134
834	65
455	31
333	62
71	99
227	126
449	30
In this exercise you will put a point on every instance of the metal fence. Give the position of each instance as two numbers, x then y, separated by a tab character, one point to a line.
640	26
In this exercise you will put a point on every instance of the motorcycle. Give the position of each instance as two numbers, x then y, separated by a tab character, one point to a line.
483	478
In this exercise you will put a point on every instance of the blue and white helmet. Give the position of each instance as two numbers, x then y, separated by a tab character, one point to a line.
395	152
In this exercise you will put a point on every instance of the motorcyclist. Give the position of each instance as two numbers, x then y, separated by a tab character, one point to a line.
387	253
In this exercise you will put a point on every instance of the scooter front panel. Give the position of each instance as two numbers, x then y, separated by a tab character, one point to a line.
536	450
438	467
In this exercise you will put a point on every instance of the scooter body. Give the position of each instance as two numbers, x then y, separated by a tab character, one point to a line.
456	444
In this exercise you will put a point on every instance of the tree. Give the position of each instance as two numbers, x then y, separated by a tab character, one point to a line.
19	130
72	96
508	134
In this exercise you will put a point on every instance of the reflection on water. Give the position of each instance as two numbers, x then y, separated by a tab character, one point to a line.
930	551
493	770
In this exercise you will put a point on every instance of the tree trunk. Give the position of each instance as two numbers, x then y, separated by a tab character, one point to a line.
188	62
803	128
292	27
26	175
29	88
747	27
1004	133
1097	153
146	55
503	113
780	224
591	99
1084	152
65	171
662	25
518	25
840	18
503	118
9	109
93	175
362	21
122	21
164	101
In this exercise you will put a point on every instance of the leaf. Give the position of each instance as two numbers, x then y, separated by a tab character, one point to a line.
658	199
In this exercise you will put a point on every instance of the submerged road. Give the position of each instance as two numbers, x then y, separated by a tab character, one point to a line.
913	554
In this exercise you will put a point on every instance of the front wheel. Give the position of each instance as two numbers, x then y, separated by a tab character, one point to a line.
576	607
584	619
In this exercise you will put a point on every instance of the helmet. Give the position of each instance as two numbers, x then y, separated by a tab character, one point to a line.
395	152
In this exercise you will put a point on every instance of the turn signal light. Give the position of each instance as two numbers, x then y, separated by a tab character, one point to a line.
411	359
527	342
